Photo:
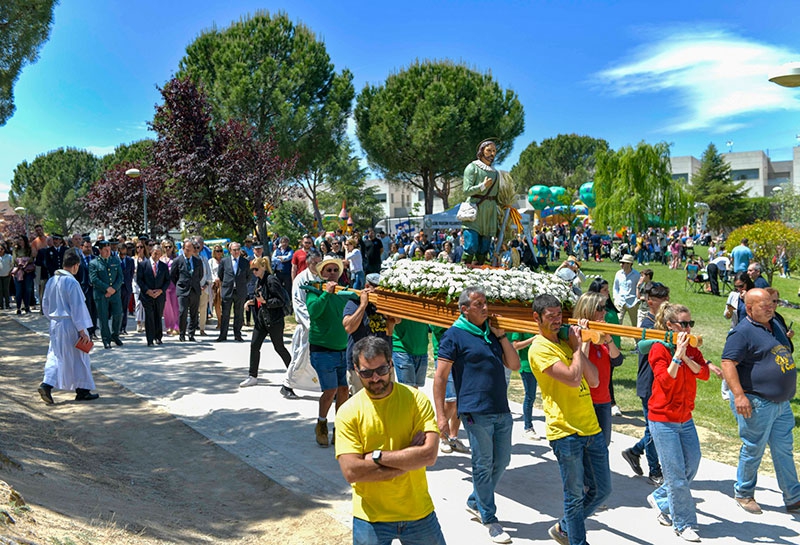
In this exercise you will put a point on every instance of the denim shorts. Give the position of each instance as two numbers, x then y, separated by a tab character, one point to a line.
411	370
331	369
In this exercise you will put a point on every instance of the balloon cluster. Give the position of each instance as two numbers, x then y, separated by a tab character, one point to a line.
541	196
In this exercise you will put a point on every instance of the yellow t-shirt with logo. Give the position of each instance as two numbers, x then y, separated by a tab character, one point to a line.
364	424
568	410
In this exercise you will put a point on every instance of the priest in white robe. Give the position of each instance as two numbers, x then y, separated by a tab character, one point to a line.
67	368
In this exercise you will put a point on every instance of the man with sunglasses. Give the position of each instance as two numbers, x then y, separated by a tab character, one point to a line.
760	371
299	256
386	464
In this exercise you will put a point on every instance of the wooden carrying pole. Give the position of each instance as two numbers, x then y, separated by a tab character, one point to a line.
433	312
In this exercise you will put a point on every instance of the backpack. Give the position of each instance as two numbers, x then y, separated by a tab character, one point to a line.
279	296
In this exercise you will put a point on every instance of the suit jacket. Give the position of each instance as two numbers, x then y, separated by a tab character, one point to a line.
234	287
104	273
83	274
186	280
128	268
148	281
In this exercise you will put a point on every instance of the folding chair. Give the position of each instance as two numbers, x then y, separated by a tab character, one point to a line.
694	282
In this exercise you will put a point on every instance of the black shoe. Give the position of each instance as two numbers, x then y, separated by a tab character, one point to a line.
191	338
633	461
656	479
44	391
117	341
220	340
182	339
123	332
20	312
158	341
202	333
81	394
239	340
150	343
288	393
106	345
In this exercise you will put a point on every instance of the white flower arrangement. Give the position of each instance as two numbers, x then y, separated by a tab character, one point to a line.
448	280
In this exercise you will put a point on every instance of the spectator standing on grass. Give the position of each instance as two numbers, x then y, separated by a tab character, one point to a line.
645	278
625	281
741	255
386	436
67	368
759	368
676	370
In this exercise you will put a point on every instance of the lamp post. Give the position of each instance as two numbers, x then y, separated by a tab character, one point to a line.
22	209
786	75
134	173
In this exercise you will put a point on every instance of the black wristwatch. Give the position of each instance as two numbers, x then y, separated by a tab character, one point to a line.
376	456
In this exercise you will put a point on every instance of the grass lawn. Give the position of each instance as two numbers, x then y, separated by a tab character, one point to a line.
716	425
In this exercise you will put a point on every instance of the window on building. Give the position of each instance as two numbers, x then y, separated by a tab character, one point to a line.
420	195
381	197
745	174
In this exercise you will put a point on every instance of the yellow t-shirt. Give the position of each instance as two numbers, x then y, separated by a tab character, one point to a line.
364	424
568	410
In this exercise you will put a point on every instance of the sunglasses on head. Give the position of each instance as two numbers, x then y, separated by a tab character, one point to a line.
382	371
690	323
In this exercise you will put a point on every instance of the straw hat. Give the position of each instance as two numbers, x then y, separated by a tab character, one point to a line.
627	258
327	260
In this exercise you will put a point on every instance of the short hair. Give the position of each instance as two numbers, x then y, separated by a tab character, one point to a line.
667	312
71	259
371	347
313	254
597	284
657	290
466	295
544	301
745	241
756	265
284	238
648	272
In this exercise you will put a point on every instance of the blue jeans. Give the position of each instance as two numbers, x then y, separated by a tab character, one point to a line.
680	457
603	412
646	445
475	244
415	532
583	462
769	424
530	384
331	369
490	439
411	370
357	280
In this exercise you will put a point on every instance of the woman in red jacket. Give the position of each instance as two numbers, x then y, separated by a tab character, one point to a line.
676	369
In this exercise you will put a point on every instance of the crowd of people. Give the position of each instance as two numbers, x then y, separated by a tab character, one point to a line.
369	366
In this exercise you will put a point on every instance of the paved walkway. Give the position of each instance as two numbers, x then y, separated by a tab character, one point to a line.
198	383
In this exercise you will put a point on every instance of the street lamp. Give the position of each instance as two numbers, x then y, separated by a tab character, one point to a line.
134	173
22	209
786	75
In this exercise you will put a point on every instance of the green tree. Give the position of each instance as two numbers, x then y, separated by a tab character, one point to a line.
423	125
568	160
139	153
53	186
346	181
634	187
765	239
713	185
24	27
276	77
292	219
788	203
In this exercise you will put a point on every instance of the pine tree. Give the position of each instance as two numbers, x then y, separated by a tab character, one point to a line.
713	185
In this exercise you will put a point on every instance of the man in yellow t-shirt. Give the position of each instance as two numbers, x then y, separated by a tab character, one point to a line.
386	435
564	375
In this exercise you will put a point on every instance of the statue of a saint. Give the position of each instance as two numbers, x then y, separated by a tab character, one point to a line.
481	184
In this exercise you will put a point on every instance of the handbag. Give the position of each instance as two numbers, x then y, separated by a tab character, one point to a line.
467	211
84	344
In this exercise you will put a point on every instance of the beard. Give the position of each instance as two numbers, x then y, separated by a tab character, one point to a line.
378	388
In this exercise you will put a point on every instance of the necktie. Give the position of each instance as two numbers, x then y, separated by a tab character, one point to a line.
154	269
235	267
191	267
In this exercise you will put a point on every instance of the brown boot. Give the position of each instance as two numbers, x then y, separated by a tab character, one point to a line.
322	433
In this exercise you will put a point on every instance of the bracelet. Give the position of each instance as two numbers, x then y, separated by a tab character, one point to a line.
501	337
679	361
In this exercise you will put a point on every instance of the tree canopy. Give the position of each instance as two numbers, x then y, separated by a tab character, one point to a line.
218	172
276	77
634	188
137	154
568	160
24	27
713	185
423	125
52	187
766	238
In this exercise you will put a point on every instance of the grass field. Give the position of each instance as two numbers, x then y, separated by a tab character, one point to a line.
719	438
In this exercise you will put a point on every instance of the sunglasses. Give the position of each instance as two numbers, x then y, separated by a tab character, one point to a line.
382	371
217	251
690	323
331	269
167	245
196	247
140	247
739	286
600	308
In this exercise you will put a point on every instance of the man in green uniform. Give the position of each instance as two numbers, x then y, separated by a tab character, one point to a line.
105	274
480	183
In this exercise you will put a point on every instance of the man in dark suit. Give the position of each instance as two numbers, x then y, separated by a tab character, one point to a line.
187	275
87	256
152	276
128	268
234	272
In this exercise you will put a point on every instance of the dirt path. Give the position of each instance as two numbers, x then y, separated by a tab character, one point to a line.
120	471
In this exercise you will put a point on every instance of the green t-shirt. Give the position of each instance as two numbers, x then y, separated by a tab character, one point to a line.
523	354
325	312
568	410
411	338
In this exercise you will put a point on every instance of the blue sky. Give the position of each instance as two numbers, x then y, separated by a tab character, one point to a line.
684	72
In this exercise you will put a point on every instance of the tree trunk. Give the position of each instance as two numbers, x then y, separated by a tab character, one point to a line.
429	190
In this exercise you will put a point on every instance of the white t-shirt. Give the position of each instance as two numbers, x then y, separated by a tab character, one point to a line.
354	258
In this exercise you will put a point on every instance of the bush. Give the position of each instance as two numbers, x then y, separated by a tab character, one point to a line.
765	238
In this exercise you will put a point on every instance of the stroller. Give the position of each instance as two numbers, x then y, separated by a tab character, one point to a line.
618	251
605	248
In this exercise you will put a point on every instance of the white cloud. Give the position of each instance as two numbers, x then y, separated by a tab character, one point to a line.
100	151
714	74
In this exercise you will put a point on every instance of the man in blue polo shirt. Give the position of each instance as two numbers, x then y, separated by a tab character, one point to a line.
741	256
477	353
757	363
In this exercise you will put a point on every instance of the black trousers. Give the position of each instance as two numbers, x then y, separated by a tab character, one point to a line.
238	317
153	315
275	336
713	278
125	295
188	312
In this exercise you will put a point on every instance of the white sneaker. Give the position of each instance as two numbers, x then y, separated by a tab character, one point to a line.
531	435
615	411
688	534
497	534
444	446
663	518
249	381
